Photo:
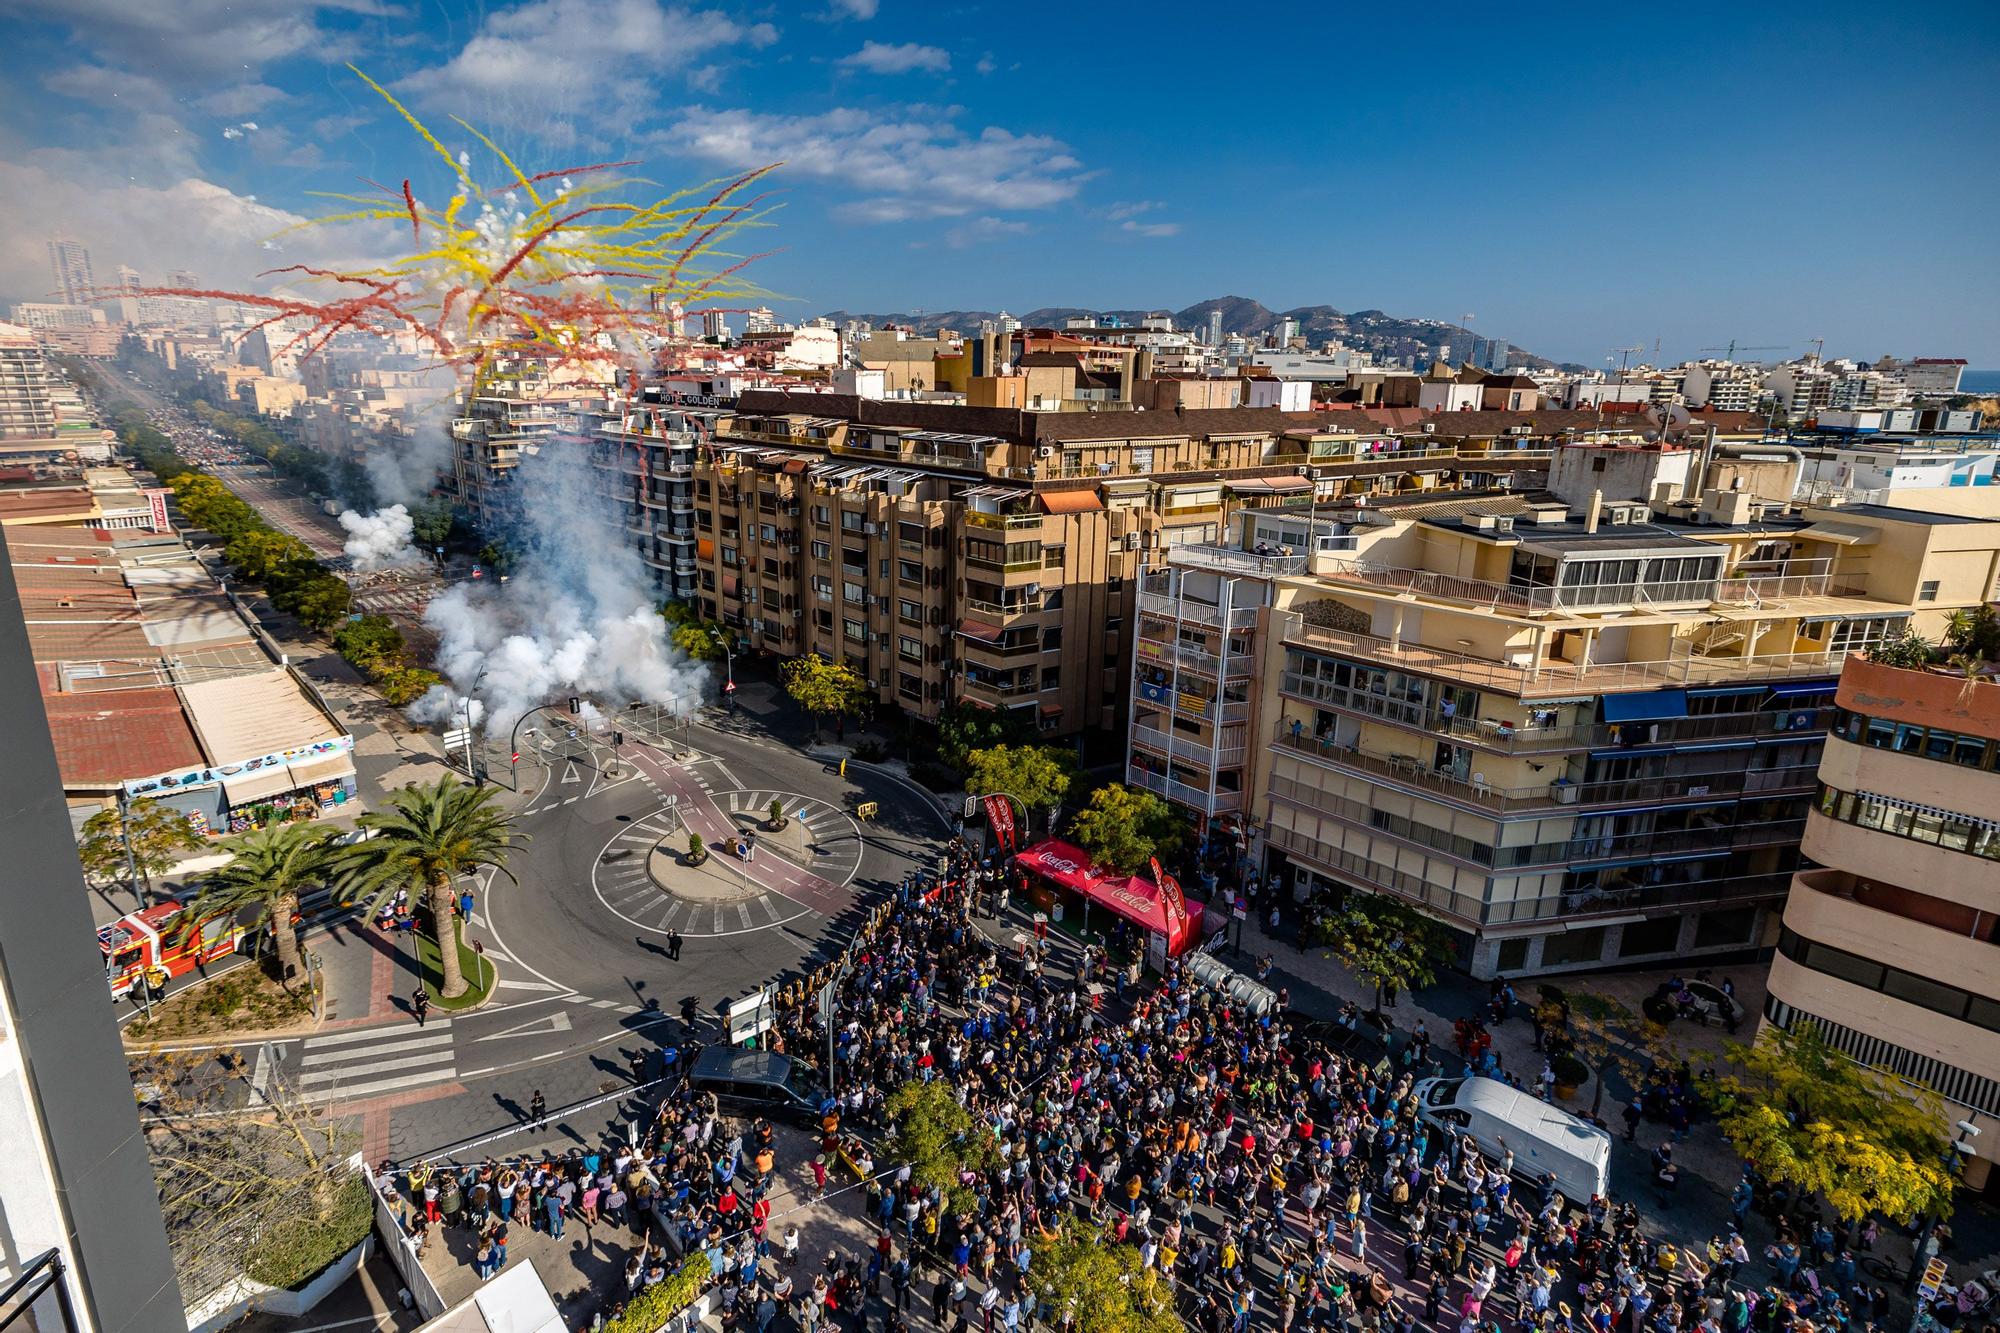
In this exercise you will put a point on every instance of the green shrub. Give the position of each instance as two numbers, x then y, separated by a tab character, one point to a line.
294	1251
654	1306
1570	1071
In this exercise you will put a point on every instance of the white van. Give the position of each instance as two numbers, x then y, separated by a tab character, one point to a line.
1543	1138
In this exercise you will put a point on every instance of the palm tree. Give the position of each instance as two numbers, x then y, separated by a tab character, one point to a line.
426	841
273	866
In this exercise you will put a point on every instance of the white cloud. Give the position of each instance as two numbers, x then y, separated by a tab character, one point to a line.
548	64
1151	228
986	64
194	42
240	100
899	58
190	222
904	165
1132	208
238	131
982	229
860	9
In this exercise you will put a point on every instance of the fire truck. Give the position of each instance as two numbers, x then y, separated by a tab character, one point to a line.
148	946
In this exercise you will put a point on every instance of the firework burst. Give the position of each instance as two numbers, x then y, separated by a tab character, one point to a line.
561	267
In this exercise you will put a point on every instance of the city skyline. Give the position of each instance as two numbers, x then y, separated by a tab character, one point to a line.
1593	201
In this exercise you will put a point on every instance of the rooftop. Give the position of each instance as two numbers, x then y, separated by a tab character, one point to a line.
107	738
1923	516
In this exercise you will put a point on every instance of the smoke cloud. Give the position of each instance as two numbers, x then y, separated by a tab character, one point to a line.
578	615
381	539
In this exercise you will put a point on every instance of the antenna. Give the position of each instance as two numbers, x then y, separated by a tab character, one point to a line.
1729	352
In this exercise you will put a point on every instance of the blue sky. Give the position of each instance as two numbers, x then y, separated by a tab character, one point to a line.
1579	178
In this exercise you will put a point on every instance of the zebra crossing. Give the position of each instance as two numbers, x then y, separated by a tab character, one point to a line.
367	1062
833	844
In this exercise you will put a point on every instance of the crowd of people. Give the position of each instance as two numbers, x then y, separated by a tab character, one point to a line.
1262	1173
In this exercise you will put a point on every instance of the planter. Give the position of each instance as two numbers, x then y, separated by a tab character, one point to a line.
1565	1091
693	859
1571	1074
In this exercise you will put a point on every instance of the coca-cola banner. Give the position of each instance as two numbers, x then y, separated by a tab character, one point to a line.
1000	815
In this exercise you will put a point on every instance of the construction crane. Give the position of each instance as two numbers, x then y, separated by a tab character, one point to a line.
1729	352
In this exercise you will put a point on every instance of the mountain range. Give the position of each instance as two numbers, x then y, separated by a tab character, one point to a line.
1372	331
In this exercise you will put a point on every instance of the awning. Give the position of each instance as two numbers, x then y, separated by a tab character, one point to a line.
973	629
1721	691
1796	688
1270	485
1052	710
1135	898
1069	502
1845	534
245	788
1652	706
323	770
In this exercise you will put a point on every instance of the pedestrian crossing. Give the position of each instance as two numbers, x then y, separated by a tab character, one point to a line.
367	1062
832	843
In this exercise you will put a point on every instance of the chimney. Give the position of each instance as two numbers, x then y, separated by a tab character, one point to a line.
1596	508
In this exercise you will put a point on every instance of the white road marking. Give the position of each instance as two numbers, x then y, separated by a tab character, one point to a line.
510	983
547	1025
429	1041
364	1034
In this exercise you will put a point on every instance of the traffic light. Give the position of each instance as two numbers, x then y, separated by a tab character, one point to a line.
575	704
617	738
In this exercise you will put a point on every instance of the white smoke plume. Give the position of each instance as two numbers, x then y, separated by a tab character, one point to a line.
381	539
441	705
577	616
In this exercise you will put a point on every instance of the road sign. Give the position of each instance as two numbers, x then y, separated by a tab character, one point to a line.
750	1015
453	739
971	805
729	687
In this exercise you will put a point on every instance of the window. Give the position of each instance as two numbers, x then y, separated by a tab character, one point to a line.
913	649
855	630
1052	639
910	611
1943	828
1052	678
729	555
853	592
1052	557
1927	591
822	515
909	571
911	534
1597	464
1142	458
822	551
850	520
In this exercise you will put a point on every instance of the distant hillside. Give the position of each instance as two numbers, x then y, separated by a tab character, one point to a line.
1370	331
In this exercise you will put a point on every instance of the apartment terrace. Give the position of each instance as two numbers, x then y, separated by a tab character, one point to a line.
1411	771
1197	798
1548	679
1181	747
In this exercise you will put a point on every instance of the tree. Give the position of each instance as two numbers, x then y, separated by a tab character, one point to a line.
267	1195
822	687
1086	1284
1801	1112
500	557
273	866
320	604
1039	776
1907	649
429	838
430	523
1124	828
369	641
1974	633
1388	942
963	728
941	1140
1603	1034
401	684
701	640
153	833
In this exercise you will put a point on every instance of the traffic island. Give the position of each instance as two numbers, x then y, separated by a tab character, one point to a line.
245	1002
707	879
478	969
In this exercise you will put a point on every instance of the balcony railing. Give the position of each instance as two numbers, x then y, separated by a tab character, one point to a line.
1537	600
1509	738
1005	522
1198	613
1412	772
1567	678
1228	560
1238	666
996	691
1183	747
1000	611
1213	803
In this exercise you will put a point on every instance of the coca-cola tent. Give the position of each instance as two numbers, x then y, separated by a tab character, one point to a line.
1134	897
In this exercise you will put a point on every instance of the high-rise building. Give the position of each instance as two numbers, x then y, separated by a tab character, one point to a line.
128	279
82	1211
1891	941
1215	328
1007	324
1453	702
184	280
27	411
70	262
760	320
1288	329
715	324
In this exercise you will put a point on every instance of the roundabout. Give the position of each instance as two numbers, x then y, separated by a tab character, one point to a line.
646	876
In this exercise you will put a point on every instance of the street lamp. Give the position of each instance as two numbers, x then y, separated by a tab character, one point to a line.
729	675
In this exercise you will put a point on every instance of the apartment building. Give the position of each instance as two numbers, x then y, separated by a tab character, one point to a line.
27	411
1581	732
1891	937
991	554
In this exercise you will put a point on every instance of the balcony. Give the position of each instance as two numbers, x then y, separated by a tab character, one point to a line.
1412	773
996	693
1183	747
1239	666
1511	599
1508	738
1004	522
1197	613
1029	646
1000	612
1559	678
1195	798
1228	560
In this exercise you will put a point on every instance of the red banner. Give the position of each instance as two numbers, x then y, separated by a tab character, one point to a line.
1000	816
157	500
1170	896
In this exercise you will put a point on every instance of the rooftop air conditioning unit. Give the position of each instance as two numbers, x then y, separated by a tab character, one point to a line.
1430	428
1044	451
870	529
1131	541
1503	522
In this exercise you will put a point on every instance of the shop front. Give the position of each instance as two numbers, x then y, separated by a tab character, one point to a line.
1061	874
281	787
